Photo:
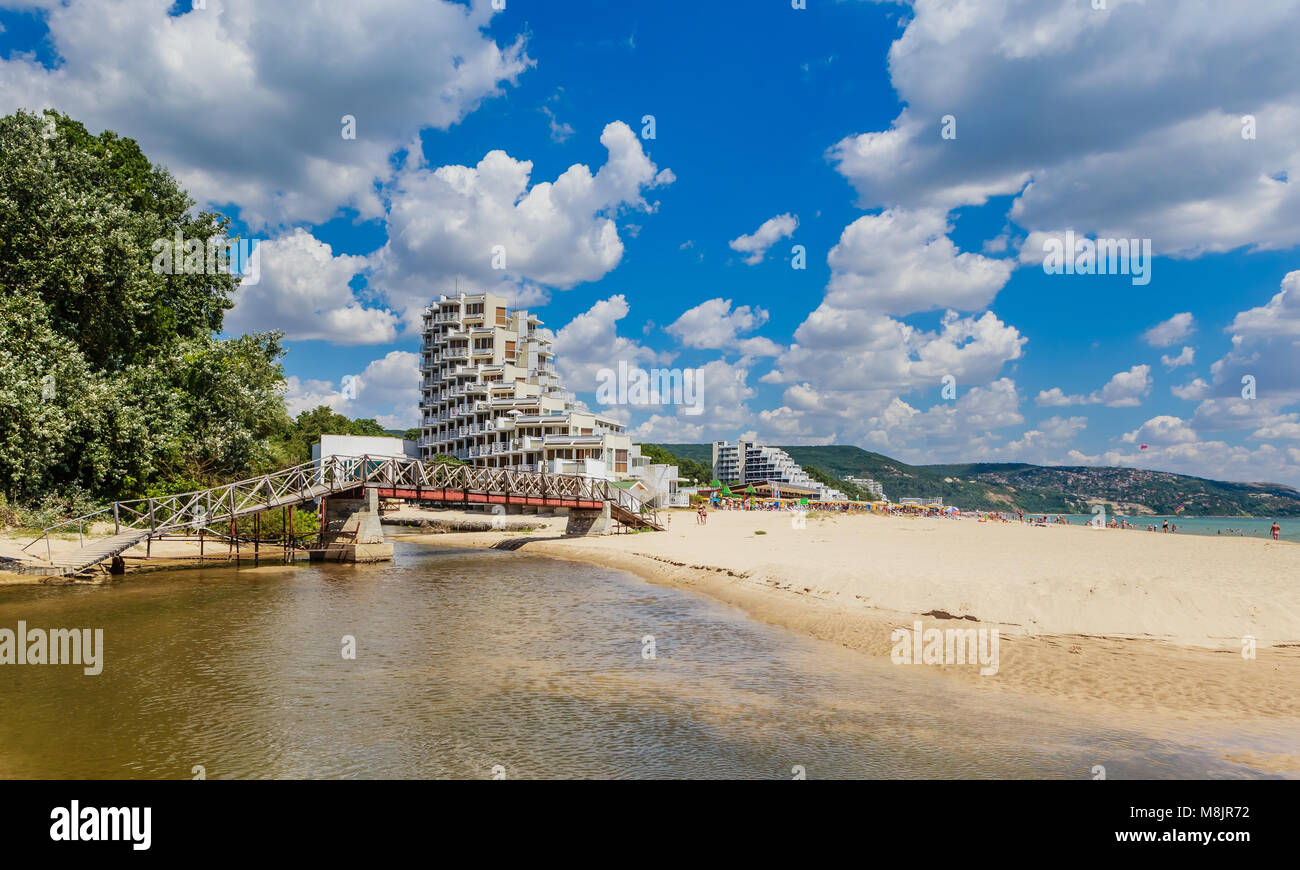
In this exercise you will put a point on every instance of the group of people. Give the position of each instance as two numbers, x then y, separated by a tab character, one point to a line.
1275	531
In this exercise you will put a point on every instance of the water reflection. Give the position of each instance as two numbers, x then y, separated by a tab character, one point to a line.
472	659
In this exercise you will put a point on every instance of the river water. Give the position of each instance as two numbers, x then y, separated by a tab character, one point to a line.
474	664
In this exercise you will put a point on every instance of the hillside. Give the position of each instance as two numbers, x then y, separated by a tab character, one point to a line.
1037	488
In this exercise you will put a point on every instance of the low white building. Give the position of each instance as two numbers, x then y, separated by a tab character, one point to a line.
660	481
364	445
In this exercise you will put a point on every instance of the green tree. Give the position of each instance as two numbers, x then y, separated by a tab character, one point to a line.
111	377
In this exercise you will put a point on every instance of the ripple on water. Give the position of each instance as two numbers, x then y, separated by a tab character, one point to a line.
472	659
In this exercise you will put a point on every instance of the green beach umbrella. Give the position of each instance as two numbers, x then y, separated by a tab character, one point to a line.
716	483
726	490
749	490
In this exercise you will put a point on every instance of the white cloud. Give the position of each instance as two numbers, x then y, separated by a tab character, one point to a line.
768	234
1217	460
1161	430
1123	390
304	292
446	223
591	342
1265	354
387	389
714	324
899	262
725	393
1171	331
1164	87
855	352
948	430
243	100
1193	390
1186	358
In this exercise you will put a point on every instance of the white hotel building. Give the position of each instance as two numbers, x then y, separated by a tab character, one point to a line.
489	395
746	462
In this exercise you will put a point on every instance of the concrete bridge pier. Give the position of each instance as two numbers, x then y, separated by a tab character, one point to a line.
351	531
589	522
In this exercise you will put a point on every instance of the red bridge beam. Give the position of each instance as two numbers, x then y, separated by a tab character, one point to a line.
464	496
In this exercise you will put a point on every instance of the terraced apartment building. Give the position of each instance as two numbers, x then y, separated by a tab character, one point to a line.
490	395
748	462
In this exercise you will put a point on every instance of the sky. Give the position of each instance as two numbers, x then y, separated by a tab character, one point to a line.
842	216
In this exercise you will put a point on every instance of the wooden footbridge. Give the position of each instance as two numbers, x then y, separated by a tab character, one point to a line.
141	520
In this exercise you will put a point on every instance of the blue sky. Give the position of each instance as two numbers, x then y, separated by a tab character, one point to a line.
774	126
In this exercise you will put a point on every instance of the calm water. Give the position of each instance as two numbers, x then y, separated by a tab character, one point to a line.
470	659
1249	527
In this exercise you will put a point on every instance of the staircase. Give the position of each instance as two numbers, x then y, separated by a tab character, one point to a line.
63	564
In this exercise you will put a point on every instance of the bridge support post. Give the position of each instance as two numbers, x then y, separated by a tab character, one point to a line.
588	522
353	532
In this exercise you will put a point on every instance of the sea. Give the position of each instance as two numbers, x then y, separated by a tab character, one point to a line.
1247	527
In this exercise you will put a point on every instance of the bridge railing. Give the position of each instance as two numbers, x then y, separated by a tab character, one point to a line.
310	480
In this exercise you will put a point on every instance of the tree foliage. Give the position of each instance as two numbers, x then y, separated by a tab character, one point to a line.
111	378
293	445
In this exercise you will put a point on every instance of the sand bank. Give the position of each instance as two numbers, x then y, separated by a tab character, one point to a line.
1142	623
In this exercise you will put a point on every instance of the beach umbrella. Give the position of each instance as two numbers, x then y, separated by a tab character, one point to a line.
716	483
726	490
749	490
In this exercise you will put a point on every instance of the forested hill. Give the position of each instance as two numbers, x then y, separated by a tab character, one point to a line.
1038	488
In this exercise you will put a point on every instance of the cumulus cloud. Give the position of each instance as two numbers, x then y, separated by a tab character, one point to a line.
768	234
899	262
1217	460
387	389
1171	331
590	342
1123	390
490	227
856	352
1161	430
715	325
1186	358
1192	390
948	429
725	393
244	101
304	290
1265	356
1163	154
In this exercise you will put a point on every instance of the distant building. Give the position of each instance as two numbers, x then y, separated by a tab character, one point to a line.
870	486
363	445
490	395
748	462
660	481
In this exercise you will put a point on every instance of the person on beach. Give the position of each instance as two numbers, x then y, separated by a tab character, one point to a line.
1165	525
1277	530
702	517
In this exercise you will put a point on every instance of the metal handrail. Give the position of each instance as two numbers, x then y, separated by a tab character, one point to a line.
310	480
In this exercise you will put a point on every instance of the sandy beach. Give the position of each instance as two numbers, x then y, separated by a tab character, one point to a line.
1146	625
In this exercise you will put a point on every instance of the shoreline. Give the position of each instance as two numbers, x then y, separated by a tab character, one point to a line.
839	581
1138	678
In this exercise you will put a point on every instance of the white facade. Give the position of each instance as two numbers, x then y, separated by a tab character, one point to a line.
870	486
363	445
660	480
746	462
490	395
